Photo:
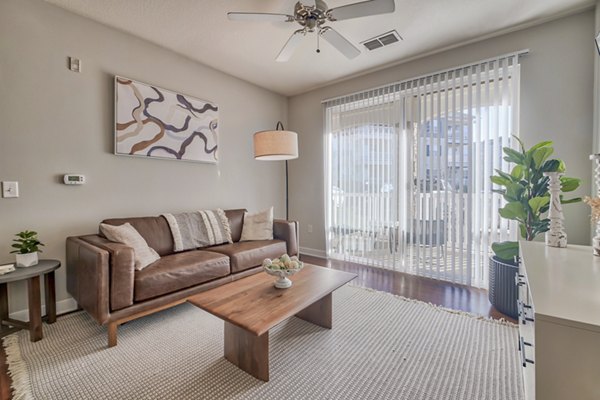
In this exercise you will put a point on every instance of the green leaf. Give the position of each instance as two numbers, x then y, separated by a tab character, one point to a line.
517	172
545	143
541	226
523	231
514	191
506	251
570	201
569	184
540	155
498	180
521	144
538	202
513	156
551	166
504	175
513	210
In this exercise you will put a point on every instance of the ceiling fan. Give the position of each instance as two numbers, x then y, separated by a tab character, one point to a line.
313	17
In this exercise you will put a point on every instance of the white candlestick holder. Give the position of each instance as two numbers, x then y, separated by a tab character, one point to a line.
556	236
596	239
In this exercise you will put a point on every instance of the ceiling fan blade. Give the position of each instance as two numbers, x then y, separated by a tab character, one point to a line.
266	17
339	42
293	42
362	9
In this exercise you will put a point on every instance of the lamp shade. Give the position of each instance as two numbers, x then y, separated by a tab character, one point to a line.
275	145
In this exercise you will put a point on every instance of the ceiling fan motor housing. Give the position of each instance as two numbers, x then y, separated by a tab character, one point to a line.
311	17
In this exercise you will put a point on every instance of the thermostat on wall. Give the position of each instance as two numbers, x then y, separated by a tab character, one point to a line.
74	179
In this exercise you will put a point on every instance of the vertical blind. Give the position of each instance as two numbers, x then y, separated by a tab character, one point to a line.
408	167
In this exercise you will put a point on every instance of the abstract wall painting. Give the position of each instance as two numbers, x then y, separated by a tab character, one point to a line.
158	123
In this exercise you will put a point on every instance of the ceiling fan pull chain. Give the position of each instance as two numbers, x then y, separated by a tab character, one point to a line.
318	35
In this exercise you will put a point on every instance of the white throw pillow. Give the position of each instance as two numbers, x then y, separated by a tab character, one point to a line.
258	226
128	235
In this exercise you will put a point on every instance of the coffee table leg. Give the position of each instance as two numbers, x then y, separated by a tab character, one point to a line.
249	352
3	305
50	292
319	313
35	308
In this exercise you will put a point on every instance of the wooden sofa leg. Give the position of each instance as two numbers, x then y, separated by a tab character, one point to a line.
112	334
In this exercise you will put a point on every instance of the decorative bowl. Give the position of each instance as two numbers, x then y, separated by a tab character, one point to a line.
282	267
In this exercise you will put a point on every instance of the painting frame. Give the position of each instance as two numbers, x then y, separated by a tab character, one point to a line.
156	123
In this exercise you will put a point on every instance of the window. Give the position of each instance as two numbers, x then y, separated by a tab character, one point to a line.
408	169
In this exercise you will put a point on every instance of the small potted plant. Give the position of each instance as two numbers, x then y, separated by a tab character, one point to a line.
26	247
525	189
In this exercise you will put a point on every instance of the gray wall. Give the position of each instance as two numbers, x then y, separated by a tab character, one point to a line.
596	86
556	103
54	121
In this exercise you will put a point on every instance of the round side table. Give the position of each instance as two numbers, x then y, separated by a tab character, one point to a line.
32	274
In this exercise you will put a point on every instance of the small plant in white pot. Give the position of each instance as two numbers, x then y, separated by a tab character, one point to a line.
27	247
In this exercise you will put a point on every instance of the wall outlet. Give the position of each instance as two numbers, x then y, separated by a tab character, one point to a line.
10	189
309	228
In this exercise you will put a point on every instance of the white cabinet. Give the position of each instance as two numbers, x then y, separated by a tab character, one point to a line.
559	322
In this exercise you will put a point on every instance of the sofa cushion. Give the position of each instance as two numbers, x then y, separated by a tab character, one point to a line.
258	226
155	230
245	255
179	271
236	222
126	234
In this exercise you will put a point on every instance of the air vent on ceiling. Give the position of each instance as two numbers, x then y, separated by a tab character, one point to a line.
382	40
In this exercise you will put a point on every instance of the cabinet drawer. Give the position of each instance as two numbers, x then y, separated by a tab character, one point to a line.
526	335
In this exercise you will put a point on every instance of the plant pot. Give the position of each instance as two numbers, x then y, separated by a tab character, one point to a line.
502	288
27	260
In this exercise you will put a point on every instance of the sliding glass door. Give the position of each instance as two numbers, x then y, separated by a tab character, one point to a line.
408	169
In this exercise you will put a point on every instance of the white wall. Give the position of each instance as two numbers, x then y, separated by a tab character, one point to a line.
53	121
556	103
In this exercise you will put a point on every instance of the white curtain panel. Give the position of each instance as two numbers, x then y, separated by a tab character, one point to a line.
408	167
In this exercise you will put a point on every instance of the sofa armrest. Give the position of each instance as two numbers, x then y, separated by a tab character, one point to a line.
88	277
288	231
122	270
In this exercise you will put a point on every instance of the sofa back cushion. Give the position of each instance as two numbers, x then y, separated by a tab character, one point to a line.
236	223
155	230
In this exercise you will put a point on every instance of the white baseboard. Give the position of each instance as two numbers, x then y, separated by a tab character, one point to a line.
63	306
313	252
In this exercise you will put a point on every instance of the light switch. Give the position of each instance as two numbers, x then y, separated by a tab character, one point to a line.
74	64
10	189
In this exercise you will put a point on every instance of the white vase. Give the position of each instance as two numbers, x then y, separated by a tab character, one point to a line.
27	260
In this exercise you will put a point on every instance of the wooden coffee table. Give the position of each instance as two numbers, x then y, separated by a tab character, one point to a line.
251	306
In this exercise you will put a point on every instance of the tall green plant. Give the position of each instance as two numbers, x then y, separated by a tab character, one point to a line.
525	190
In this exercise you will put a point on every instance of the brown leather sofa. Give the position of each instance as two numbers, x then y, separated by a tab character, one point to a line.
102	278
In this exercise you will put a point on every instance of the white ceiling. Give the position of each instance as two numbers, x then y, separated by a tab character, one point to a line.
199	29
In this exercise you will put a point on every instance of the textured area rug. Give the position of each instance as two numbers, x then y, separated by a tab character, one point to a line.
380	347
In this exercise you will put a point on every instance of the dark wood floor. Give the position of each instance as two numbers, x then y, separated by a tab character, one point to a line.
457	297
441	293
5	392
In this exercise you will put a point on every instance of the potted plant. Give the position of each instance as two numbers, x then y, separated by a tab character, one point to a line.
525	189
27	247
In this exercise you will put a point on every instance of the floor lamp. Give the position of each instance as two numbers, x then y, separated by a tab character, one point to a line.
277	145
